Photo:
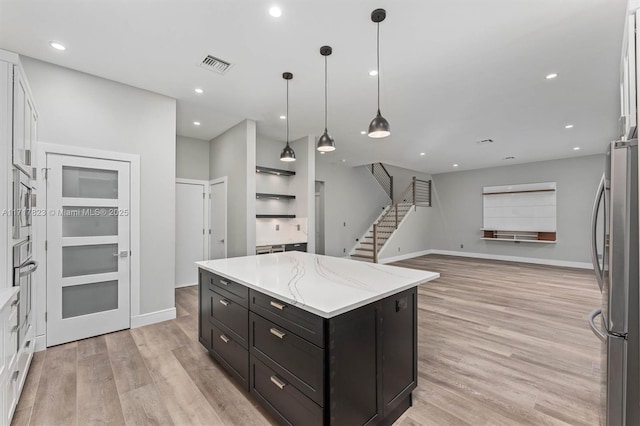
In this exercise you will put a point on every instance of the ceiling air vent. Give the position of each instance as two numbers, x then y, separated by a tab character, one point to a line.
215	64
485	141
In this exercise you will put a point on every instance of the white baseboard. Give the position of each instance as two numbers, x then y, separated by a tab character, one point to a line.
153	317
137	321
551	262
404	256
41	343
185	285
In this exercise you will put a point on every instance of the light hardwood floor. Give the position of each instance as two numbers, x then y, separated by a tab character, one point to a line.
499	344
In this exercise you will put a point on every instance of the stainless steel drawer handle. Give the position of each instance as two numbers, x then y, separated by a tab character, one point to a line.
224	302
15	375
224	338
26	346
277	305
279	383
279	334
223	282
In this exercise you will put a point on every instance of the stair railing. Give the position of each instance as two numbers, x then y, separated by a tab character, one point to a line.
418	193
379	171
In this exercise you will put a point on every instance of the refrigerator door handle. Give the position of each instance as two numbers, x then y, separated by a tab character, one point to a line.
594	241
599	334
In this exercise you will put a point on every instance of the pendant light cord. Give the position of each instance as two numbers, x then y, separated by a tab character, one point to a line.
378	62
287	112
325	93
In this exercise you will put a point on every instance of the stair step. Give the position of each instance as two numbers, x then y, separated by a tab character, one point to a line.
362	256
365	248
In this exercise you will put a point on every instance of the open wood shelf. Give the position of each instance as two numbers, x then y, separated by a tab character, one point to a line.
275	216
261	195
522	236
272	171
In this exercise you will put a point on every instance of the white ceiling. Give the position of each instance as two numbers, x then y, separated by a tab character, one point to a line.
452	71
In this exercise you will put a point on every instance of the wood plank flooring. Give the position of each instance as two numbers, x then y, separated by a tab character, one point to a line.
499	344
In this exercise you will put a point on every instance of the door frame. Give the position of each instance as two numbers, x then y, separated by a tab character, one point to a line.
222	180
40	228
205	185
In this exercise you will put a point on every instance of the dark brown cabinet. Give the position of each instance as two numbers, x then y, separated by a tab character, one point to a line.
356	368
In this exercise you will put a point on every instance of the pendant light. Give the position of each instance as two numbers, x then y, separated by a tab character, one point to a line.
287	153
379	127
326	142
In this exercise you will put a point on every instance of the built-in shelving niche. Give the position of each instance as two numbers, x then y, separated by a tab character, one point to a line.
272	171
265	196
275	216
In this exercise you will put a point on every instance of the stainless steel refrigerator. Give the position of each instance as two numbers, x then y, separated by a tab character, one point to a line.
615	259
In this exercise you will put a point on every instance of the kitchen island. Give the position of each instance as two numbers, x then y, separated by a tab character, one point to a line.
317	340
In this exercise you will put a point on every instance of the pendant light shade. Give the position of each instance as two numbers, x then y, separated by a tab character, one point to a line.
326	142
287	153
379	127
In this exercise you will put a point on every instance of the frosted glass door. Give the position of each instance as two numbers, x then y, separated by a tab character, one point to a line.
88	247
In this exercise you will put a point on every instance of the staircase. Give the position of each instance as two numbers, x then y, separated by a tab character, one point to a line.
417	194
383	228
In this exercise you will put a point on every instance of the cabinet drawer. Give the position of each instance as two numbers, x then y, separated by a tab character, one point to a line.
290	405
296	247
300	322
232	317
295	359
232	290
230	354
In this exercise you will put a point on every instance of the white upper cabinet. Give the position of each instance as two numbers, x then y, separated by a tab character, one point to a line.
24	123
628	78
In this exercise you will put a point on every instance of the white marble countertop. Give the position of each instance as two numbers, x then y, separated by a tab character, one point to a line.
280	242
323	285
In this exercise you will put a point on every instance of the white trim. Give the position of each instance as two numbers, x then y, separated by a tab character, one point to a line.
537	261
41	343
192	181
40	224
153	317
404	256
222	180
186	285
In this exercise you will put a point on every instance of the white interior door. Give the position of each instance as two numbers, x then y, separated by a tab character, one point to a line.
218	220
88	247
190	231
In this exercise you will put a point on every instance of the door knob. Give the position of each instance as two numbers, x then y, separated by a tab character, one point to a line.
221	241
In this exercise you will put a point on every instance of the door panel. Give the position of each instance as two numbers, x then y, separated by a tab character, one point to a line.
218	221
88	266
190	231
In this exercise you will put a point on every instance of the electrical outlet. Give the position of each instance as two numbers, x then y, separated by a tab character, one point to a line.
344	223
461	245
298	227
398	249
277	227
344	250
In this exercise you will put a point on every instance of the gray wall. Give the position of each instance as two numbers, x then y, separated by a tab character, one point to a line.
402	178
192	158
458	200
233	154
353	200
84	110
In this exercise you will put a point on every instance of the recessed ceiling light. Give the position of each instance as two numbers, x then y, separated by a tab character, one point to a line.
509	158
363	132
322	153
576	148
57	46
423	153
343	160
198	90
373	73
196	123
551	76
569	126
275	11
455	165
283	117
